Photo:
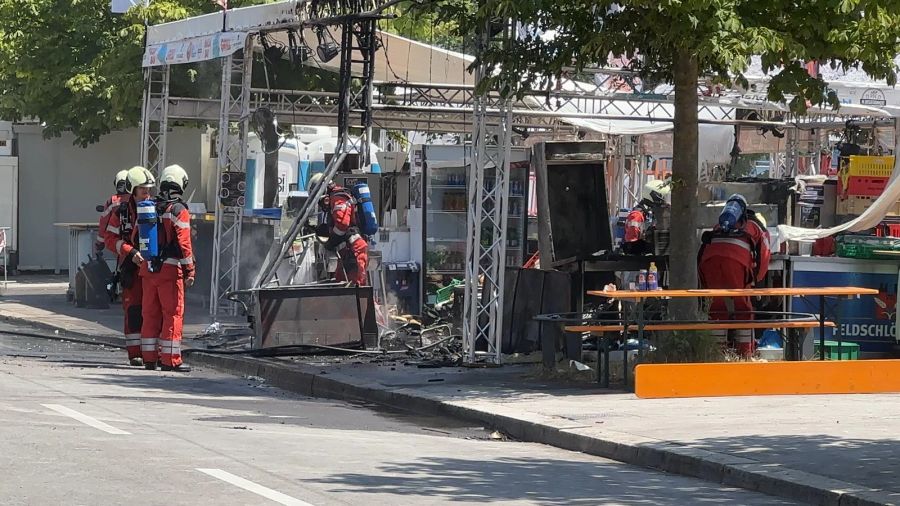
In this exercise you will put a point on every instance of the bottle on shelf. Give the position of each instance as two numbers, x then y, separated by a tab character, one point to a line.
653	277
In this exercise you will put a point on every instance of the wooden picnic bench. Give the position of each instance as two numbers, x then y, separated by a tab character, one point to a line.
634	319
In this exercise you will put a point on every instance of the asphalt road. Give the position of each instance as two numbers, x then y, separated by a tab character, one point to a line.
78	427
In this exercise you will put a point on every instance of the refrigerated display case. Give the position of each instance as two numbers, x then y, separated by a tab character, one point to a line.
444	178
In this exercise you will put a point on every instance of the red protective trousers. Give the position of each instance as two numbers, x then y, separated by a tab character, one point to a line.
718	271
164	290
163	315
117	230
353	262
132	307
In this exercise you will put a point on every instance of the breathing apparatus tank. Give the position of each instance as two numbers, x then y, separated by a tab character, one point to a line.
368	222
734	211
148	227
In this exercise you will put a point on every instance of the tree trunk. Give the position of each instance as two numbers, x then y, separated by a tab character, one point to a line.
685	176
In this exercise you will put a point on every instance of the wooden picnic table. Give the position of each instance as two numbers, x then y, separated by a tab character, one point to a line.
639	296
831	291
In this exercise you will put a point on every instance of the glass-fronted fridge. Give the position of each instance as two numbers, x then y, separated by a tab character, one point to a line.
444	175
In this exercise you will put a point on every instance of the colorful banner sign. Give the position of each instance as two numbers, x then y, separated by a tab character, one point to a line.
207	47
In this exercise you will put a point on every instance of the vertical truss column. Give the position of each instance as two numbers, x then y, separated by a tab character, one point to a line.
486	226
232	157
791	168
154	118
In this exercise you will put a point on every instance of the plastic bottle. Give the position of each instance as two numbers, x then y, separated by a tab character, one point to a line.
642	280
653	277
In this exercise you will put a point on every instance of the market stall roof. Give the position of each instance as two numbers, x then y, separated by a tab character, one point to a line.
203	38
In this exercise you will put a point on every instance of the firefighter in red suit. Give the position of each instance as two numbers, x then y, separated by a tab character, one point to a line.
735	255
341	227
120	239
640	223
111	206
166	276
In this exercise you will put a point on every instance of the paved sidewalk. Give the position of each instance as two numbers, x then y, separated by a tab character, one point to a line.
41	301
826	449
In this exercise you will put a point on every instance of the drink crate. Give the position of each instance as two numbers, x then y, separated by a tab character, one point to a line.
867	166
861	186
847	351
865	246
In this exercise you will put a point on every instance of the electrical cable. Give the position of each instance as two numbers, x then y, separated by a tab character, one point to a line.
277	350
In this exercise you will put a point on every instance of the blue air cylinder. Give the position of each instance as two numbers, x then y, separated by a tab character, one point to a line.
368	222
730	216
148	237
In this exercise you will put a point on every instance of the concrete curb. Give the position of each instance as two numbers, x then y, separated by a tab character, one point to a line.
673	458
63	331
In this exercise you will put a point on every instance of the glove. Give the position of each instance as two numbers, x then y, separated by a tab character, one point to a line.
333	242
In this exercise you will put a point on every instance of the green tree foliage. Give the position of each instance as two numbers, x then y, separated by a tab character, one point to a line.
75	66
444	25
679	41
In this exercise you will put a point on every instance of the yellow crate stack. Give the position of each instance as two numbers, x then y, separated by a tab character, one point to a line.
866	166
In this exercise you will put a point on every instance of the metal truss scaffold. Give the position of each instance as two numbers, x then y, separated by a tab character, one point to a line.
486	227
449	108
154	126
232	157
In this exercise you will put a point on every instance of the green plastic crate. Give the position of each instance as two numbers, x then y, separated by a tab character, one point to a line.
443	294
848	351
866	246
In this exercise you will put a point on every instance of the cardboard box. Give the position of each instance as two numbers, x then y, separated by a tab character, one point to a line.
856	205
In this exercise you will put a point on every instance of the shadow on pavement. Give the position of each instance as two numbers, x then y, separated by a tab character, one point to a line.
874	463
538	480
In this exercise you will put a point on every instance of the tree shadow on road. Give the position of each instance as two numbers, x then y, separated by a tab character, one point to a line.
537	480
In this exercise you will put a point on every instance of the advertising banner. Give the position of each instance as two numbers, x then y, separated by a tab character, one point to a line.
869	320
207	47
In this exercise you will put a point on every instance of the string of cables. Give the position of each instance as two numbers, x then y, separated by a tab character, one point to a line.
263	118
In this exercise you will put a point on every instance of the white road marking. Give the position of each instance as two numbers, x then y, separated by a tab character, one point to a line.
257	489
87	420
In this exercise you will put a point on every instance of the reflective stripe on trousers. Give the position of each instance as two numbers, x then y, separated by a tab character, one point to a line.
149	345
169	347
132	340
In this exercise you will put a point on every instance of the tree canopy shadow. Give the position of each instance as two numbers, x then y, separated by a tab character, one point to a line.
538	480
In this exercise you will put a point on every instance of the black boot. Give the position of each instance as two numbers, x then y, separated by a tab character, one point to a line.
136	361
177	368
150	366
